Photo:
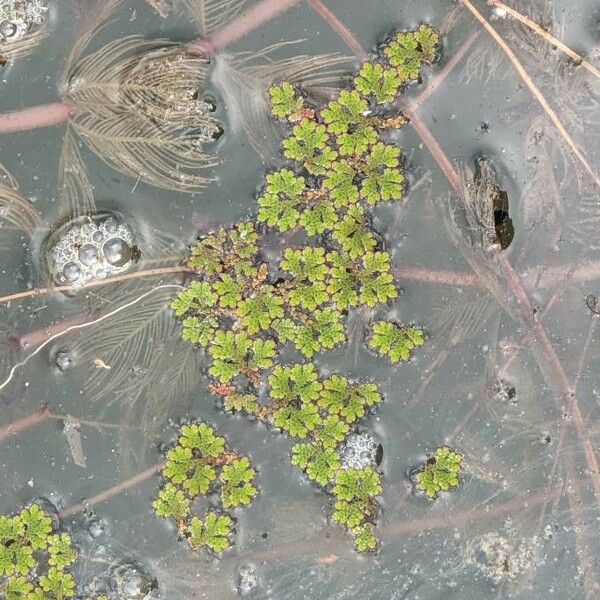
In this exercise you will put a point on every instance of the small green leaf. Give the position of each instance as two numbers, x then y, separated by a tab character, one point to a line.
179	463
229	291
340	181
197	297
61	585
278	205
61	553
383	179
441	473
295	383
318	219
298	422
201	438
285	102
200	480
247	403
319	463
237	489
354	234
377	82
331	431
213	532
348	401
394	341
258	312
18	588
171	502
350	514
37	526
199	331
357	484
345	113
364	538
309	146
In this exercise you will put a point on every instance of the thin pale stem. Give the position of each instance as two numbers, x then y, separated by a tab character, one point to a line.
544	33
537	94
79	326
101	282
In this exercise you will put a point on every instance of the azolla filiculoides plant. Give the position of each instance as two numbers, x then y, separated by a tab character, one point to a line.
35	559
199	465
440	473
244	309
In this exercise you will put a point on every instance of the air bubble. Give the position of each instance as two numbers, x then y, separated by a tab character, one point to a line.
72	272
359	451
88	255
117	252
91	248
247	580
130	582
8	29
63	360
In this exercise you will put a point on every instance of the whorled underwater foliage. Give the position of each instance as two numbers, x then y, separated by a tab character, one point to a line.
244	309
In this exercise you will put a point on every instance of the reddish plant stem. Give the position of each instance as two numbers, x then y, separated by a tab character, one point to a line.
252	19
453	278
56	113
35	117
23	423
542	348
115	490
470	518
342	31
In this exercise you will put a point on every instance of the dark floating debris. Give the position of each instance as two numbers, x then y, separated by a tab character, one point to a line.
592	303
485	177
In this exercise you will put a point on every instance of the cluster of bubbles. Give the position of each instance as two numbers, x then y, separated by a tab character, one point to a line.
90	249
18	17
360	450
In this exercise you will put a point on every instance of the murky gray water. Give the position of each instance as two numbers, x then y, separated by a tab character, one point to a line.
523	523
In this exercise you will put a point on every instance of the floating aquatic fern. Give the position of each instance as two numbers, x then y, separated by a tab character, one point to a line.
200	464
34	559
394	341
441	473
244	309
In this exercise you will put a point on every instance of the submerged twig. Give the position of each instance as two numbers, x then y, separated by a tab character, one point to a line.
336	25
544	33
533	89
111	492
100	282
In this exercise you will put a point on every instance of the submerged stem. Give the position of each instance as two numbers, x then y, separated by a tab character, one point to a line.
35	117
537	94
551	39
248	21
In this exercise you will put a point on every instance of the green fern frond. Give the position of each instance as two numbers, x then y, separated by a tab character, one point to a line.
395	341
